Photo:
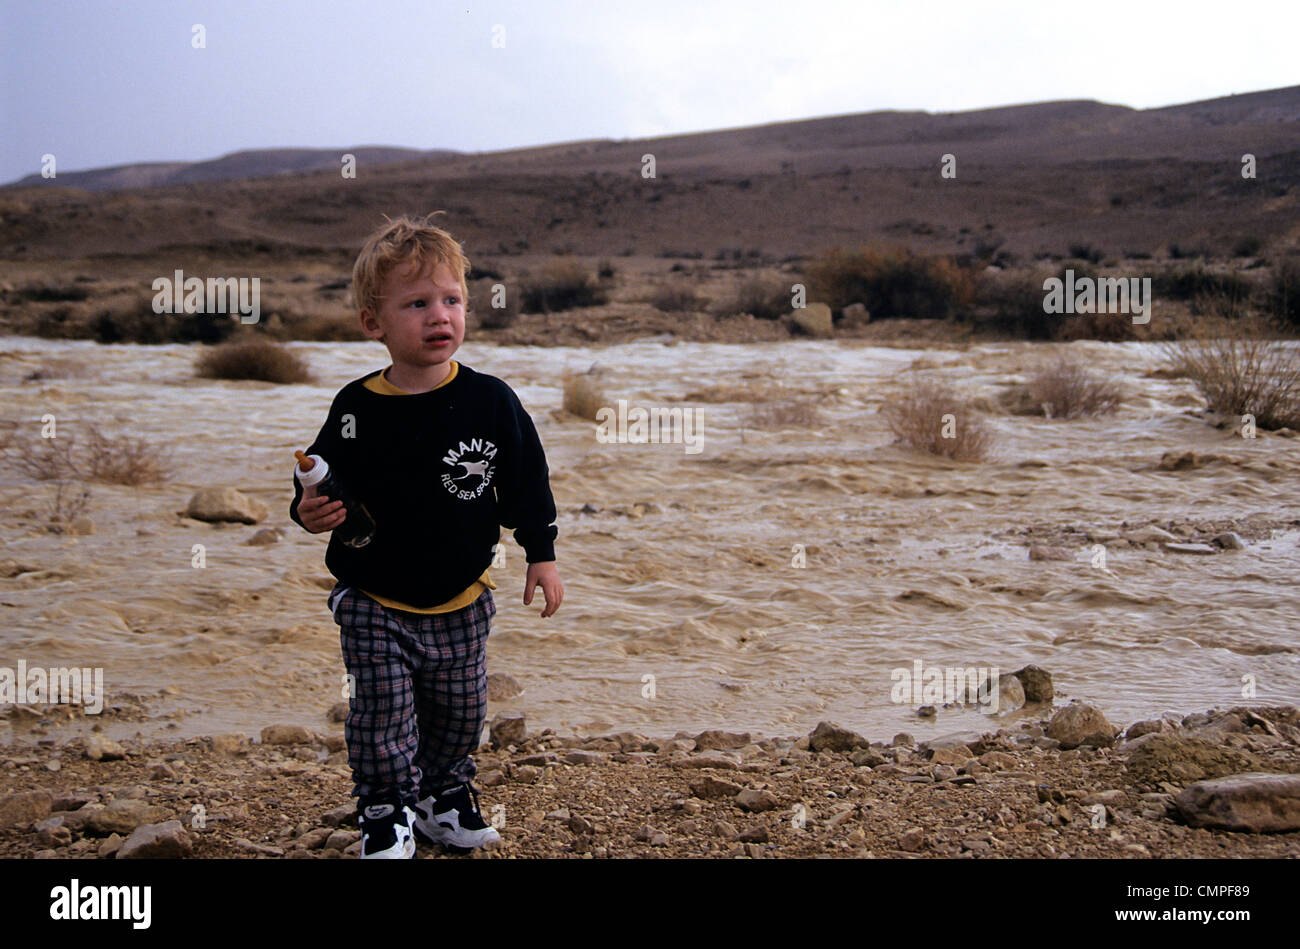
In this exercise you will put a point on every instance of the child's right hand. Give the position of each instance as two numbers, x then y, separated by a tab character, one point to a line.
319	513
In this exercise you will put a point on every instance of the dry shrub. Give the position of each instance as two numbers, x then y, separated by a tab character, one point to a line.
917	420
252	358
1242	371
765	296
489	316
118	460
47	459
69	502
1067	389
673	298
582	397
891	281
562	285
124	460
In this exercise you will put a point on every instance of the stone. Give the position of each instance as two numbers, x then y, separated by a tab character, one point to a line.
708	761
71	800
1149	535
122	816
756	801
943	772
724	828
753	835
998	761
230	744
1176	548
1011	693
814	319
1255	802
501	686
99	748
225	504
867	758
1044	552
903	740
264	537
342	839
954	755
1148	726
721	741
491	778
1229	540
343	814
338	712
313	839
81	526
828	736
585	757
109	846
580	825
911	840
560	813
854	316
1037	684
508	728
165	841
1081	724
1176	759
1109	796
23	808
709	787
243	843
287	735
527	773
52	832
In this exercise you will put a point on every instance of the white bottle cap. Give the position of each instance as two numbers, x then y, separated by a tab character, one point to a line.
318	473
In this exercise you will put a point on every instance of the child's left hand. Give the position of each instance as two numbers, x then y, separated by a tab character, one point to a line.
545	574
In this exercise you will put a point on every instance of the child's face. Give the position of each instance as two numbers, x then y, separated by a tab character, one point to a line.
421	317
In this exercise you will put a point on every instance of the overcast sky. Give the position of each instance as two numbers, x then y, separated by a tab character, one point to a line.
104	83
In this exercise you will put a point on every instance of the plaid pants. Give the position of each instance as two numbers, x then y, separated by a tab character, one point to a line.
420	693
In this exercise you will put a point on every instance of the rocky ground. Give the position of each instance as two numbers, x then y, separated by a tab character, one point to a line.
1067	784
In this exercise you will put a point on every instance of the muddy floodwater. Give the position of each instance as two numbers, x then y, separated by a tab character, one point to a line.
774	578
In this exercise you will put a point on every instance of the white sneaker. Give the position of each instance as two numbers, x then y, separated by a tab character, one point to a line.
386	832
452	817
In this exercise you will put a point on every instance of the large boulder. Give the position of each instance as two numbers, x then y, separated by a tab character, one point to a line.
1081	724
814	319
225	504
165	841
1256	802
828	736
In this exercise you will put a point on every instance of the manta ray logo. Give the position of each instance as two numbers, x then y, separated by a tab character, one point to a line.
471	468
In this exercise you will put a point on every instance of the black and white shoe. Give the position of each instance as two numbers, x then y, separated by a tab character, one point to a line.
386	831
451	816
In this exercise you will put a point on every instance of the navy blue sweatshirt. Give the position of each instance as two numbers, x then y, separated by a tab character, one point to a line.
440	472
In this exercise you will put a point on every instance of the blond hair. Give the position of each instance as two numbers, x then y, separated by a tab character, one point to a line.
397	243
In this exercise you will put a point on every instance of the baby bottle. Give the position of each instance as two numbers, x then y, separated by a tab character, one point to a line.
358	528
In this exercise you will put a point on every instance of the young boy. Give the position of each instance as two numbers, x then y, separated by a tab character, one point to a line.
441	457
